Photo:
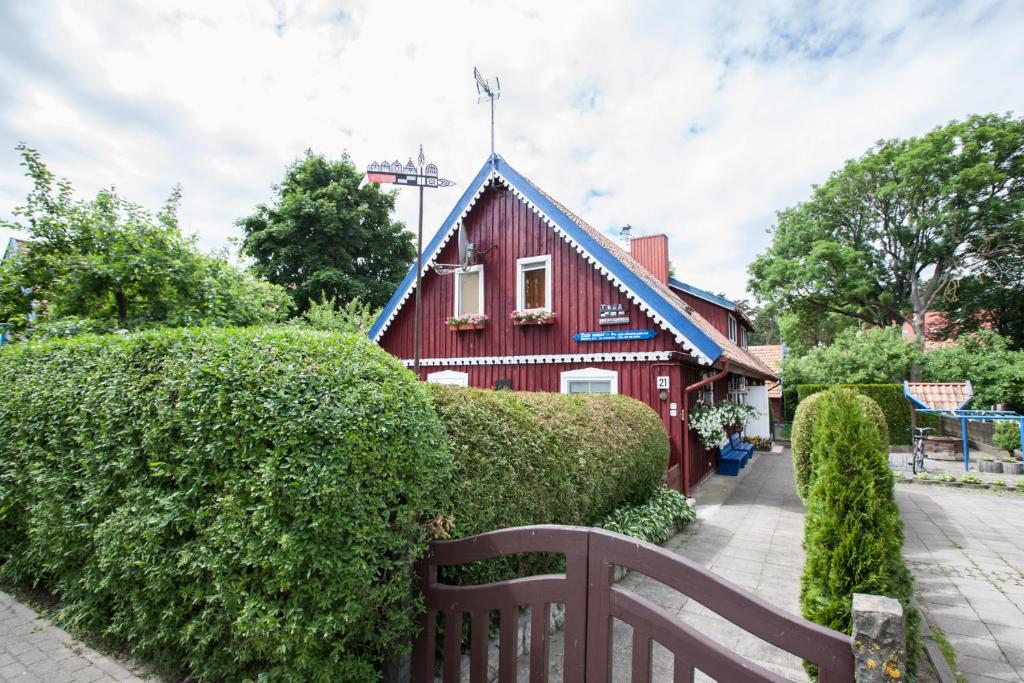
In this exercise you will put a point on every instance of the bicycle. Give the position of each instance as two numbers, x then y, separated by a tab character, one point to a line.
917	459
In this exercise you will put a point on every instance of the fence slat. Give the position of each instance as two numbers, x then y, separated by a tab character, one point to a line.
641	657
681	671
508	645
453	647
478	642
539	621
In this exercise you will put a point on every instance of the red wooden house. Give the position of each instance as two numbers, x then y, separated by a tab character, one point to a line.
617	322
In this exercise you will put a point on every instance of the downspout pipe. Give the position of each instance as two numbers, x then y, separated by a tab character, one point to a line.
685	479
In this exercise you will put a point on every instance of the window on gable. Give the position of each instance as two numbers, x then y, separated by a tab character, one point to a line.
533	282
732	329
743	337
469	291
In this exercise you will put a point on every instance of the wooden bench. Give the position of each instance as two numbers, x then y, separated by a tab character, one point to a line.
733	455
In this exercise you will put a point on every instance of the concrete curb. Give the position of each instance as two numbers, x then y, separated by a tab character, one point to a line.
931	647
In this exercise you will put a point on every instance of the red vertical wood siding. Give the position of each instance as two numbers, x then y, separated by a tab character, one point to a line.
505	226
652	253
507	230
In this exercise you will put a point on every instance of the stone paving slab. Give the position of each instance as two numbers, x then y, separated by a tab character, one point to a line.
966	550
33	650
749	529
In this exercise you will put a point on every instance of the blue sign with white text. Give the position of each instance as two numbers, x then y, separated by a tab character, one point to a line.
614	335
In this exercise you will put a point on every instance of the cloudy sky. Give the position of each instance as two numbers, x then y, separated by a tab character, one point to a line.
695	119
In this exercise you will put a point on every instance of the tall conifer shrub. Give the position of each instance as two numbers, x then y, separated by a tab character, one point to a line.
853	536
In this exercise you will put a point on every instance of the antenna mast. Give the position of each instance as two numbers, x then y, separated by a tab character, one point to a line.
485	89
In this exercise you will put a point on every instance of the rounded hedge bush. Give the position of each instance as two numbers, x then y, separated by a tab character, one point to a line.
238	503
802	437
541	458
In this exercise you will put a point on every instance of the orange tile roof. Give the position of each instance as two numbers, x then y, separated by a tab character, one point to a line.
770	355
941	395
737	356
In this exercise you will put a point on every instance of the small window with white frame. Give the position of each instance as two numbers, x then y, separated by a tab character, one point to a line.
469	291
738	389
732	329
450	377
743	337
590	381
533	282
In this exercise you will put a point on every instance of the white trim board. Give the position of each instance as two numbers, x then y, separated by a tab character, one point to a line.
611	357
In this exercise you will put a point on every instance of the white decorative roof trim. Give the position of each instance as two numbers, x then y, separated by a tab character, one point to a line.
494	174
610	357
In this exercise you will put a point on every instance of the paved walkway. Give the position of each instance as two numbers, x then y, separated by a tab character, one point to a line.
966	549
749	530
33	650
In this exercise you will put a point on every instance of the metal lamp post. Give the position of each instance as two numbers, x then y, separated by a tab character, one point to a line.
410	176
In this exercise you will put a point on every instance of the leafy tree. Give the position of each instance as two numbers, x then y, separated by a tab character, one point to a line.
766	322
107	259
324	234
875	356
996	372
991	299
1007	437
883	238
327	315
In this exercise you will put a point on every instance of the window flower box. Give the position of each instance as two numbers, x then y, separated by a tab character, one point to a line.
463	323
532	316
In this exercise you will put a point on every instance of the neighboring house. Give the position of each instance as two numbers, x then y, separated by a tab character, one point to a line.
620	325
937	330
771	355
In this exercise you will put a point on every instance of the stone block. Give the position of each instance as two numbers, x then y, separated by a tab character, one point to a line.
879	639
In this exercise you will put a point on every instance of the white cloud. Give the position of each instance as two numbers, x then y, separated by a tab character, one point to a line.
699	120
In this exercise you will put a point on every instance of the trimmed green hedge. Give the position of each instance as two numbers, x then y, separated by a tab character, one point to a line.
889	398
803	437
237	503
541	458
853	535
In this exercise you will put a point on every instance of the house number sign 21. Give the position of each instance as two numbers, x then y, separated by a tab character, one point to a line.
663	382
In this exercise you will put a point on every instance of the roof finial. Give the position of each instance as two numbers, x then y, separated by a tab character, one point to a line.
626	233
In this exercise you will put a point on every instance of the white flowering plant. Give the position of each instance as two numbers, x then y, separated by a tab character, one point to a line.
710	422
533	315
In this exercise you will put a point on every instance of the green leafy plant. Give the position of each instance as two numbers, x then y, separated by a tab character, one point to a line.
653	520
803	436
1007	438
761	443
947	477
234	503
471	319
853	536
890	400
542	458
997	482
972	479
328	315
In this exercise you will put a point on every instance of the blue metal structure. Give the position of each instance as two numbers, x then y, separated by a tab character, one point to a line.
965	416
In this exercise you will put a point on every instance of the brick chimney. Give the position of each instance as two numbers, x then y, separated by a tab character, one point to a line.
652	253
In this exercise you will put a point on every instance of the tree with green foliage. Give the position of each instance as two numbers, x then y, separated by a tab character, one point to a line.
853	535
884	237
329	316
995	370
1007	437
111	261
992	299
324	234
875	356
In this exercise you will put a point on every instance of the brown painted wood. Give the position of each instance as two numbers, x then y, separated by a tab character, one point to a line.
592	602
540	617
508	658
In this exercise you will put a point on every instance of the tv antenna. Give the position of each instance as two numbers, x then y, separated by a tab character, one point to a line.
485	89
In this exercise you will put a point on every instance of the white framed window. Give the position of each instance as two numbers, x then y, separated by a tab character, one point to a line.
707	392
738	389
533	282
450	377
469	291
743	337
732	329
590	381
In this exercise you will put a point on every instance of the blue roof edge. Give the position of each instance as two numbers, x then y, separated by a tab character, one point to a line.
669	313
410	277
700	341
703	294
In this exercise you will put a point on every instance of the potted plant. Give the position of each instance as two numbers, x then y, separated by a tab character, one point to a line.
532	316
1007	438
990	465
472	321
